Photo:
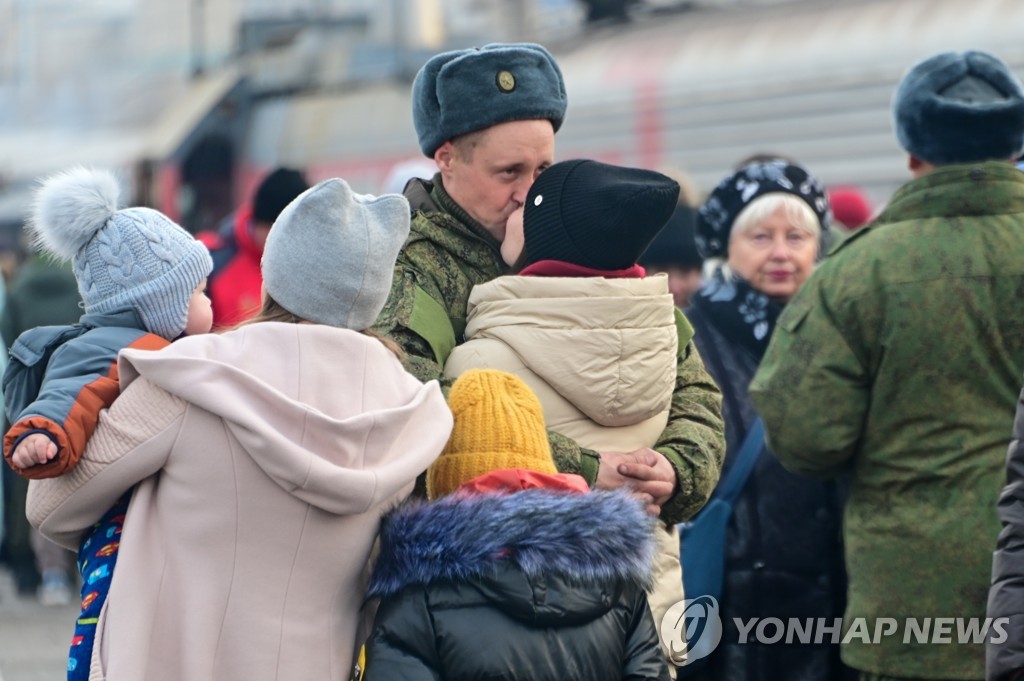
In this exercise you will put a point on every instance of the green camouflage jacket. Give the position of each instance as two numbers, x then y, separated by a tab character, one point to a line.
900	360
446	254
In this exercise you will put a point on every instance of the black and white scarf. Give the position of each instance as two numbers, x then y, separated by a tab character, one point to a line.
743	313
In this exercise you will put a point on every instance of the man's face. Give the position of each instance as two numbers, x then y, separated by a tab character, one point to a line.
489	175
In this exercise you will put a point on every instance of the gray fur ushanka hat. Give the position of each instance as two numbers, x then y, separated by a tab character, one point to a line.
466	90
960	108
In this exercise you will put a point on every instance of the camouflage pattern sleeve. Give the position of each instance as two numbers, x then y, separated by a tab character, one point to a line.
694	439
571	458
810	359
394	322
419	360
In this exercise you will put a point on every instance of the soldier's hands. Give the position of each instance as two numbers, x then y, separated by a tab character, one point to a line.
646	472
34	449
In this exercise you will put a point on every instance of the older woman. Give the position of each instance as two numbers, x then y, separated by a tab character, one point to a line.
762	230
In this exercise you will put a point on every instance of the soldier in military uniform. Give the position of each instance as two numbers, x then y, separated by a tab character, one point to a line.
900	360
488	118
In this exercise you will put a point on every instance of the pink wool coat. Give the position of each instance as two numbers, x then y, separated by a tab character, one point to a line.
263	459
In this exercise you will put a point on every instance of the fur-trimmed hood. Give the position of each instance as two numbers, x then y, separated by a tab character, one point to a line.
504	543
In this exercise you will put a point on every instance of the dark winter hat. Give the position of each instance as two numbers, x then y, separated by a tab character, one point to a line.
716	217
276	191
674	246
960	108
465	90
594	214
132	258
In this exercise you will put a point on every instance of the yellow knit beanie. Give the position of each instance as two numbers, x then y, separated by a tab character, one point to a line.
499	425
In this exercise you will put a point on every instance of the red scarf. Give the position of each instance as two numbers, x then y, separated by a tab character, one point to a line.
557	268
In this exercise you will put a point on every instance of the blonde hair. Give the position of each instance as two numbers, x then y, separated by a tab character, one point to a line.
273	311
796	210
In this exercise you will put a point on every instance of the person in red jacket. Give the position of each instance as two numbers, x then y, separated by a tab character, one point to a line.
237	248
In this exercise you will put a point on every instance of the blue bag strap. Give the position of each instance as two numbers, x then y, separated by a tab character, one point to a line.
730	488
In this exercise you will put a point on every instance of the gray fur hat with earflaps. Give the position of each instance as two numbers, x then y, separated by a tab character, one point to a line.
960	107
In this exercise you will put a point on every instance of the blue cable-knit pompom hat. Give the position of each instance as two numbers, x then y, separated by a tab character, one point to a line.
133	258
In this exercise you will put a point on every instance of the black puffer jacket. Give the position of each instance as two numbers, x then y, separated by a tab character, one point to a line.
1004	652
537	584
784	554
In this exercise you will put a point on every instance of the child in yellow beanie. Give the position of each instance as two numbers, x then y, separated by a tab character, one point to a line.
513	570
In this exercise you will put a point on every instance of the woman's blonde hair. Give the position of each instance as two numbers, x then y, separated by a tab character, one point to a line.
796	210
272	311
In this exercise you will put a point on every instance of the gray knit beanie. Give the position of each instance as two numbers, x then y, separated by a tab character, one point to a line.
330	256
134	258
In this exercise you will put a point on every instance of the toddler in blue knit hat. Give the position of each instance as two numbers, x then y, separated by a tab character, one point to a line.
141	278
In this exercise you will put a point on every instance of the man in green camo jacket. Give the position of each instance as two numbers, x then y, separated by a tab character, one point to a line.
488	118
900	360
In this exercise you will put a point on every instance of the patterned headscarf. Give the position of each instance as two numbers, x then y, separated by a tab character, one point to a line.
716	217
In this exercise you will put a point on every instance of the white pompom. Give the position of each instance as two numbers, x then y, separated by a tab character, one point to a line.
70	207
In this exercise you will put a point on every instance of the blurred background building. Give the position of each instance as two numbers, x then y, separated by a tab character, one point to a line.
193	100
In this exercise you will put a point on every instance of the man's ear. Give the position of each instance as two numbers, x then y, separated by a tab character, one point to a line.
444	155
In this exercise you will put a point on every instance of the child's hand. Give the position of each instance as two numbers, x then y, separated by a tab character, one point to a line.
34	449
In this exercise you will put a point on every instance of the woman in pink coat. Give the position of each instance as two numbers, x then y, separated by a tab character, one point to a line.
262	460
